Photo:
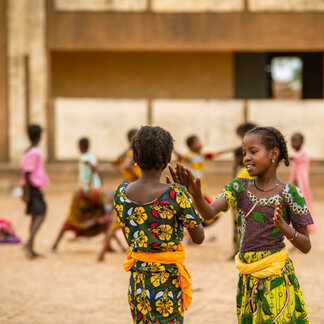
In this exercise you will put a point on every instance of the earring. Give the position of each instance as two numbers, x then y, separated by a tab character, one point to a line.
273	160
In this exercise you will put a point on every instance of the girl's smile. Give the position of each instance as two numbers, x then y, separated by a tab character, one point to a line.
256	157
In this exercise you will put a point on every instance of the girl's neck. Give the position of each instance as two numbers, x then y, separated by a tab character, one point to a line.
150	175
267	179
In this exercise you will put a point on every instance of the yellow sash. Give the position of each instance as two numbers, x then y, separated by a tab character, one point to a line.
266	267
177	257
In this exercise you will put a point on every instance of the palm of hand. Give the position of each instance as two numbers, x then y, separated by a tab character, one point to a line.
277	215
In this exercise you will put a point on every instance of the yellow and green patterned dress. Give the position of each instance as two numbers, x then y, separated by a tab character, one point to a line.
154	292
278	298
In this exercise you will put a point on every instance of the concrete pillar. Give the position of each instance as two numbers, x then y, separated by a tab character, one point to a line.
27	72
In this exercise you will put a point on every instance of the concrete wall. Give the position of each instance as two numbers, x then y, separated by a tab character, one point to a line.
3	84
214	121
101	5
142	75
188	5
198	26
27	71
106	122
197	6
286	5
305	116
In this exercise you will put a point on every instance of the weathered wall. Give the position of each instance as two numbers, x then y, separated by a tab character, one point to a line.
142	75
101	5
3	84
197	6
287	5
196	30
214	121
104	121
27	82
305	116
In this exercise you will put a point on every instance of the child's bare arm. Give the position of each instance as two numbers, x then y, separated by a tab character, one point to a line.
93	167
26	195
183	176
123	230
298	237
197	234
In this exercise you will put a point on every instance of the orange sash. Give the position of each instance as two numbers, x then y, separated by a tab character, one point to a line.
177	257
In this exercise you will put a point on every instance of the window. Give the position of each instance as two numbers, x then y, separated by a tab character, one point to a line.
287	77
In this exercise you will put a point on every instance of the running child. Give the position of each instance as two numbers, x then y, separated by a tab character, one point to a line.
268	290
152	215
33	178
299	174
91	208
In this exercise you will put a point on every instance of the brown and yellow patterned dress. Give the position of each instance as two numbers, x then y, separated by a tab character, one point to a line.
278	298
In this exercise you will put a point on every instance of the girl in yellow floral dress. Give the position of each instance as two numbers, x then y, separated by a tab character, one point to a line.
152	215
268	290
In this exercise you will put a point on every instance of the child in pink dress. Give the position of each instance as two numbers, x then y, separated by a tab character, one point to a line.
299	175
32	178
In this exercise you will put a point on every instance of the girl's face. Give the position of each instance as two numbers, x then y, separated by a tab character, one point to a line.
256	157
296	142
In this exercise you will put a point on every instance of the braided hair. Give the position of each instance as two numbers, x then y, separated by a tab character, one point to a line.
152	147
271	138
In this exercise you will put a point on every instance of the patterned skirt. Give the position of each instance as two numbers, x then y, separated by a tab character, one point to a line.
89	214
154	294
275	299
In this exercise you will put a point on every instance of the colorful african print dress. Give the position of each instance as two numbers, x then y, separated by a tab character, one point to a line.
278	298
241	173
90	213
154	293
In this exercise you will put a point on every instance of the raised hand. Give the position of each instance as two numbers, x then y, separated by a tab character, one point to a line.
277	215
183	176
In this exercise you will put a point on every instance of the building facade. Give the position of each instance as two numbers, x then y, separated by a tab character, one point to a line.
100	67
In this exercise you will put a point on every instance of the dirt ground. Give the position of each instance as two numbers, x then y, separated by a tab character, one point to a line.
71	287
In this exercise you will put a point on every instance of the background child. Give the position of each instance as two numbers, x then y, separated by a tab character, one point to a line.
299	174
130	172
91	208
194	161
152	215
268	290
128	169
32	178
88	167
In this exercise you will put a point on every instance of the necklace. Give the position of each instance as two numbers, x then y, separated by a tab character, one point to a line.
254	182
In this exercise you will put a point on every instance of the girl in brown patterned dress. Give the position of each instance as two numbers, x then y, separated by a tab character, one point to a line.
268	290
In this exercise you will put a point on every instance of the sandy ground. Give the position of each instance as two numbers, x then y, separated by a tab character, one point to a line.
71	287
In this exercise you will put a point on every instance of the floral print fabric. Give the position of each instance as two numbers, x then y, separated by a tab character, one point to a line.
278	298
257	231
275	299
154	292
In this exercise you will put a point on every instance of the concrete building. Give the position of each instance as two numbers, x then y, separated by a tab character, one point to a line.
100	67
